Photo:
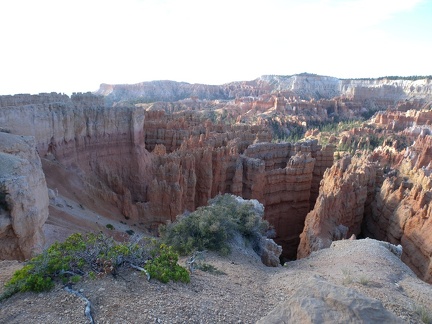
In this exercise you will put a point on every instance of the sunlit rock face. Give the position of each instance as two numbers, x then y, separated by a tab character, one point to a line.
402	210
153	166
235	159
381	92
357	197
152	161
339	209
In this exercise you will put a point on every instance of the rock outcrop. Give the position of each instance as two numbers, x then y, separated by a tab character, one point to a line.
402	210
338	213
23	198
288	175
399	120
318	301
356	197
270	252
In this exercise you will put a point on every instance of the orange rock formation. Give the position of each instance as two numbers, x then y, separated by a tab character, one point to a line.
356	197
154	166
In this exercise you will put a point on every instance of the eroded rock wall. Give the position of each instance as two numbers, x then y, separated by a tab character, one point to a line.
400	120
154	166
23	198
402	210
105	145
357	197
207	159
289	175
339	209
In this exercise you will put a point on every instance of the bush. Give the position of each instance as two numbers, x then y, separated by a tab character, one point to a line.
164	267
110	226
89	255
214	226
25	280
424	313
206	267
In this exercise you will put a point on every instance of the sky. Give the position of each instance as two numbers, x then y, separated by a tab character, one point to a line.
70	46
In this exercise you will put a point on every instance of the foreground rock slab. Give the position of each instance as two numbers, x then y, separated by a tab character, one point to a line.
365	270
318	301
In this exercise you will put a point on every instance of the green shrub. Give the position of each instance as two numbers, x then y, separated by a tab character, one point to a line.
206	267
164	266
214	226
91	255
110	226
26	280
364	280
424	313
347	279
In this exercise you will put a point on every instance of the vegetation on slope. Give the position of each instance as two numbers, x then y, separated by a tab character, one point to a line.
213	227
395	77
95	255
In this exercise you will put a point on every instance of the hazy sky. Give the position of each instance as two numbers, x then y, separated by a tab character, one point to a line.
70	46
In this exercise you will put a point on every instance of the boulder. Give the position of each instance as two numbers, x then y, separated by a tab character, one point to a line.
318	301
270	252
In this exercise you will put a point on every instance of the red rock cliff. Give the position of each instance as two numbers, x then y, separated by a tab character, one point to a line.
357	198
153	166
339	209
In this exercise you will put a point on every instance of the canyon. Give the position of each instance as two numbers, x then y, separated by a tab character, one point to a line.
143	154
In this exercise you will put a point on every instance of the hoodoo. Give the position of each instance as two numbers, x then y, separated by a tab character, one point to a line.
147	163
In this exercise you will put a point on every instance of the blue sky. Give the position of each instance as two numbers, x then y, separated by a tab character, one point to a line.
67	46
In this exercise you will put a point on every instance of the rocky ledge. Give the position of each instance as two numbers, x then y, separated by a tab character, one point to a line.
352	281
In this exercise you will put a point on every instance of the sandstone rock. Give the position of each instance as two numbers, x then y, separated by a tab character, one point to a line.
23	198
318	301
153	166
208	162
270	252
338	212
304	86
394	206
401	211
400	120
286	184
104	146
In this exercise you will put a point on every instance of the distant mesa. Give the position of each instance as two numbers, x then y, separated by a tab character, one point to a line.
304	86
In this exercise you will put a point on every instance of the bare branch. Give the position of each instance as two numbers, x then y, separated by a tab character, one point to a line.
87	310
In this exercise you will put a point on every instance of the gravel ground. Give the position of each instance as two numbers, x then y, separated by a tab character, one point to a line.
246	292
